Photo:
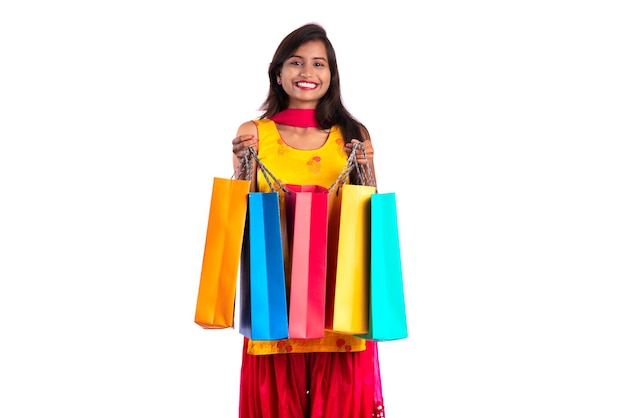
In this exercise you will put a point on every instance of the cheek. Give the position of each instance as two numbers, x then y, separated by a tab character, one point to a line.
327	85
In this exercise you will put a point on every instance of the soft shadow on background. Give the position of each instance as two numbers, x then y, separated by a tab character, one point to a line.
500	127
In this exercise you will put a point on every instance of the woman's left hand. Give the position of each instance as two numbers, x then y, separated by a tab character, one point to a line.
360	158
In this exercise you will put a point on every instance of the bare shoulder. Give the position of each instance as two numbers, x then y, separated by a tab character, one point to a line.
365	134
247	128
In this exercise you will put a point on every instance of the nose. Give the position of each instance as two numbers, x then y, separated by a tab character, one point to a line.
305	70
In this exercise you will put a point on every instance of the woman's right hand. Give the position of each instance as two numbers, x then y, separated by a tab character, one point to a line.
242	143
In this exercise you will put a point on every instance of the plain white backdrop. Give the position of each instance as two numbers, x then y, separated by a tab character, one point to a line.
500	126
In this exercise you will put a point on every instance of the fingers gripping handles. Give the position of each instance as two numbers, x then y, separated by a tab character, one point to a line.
364	171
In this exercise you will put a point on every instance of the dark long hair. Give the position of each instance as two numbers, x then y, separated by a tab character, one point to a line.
330	110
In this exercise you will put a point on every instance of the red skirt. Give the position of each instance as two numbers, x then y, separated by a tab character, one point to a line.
311	385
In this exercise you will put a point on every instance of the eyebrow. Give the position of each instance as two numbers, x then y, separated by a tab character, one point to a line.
315	58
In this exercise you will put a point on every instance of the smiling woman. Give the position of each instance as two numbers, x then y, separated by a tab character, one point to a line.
305	76
304	137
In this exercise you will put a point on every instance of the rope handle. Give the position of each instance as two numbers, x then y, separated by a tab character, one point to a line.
343	176
244	167
365	174
267	173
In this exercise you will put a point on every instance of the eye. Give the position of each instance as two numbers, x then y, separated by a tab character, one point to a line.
295	62
319	64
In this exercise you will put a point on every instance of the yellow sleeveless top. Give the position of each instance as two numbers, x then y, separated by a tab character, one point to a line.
304	167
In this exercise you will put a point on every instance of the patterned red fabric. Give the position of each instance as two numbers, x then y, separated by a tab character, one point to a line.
379	404
310	385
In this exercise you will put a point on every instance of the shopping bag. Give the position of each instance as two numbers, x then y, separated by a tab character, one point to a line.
306	209
218	278
348	311
334	215
387	305
263	299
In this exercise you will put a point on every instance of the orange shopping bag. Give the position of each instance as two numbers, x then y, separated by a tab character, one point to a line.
224	238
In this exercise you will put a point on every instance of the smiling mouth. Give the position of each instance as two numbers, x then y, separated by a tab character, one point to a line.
306	85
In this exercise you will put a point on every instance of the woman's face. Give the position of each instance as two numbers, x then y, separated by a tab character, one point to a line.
305	76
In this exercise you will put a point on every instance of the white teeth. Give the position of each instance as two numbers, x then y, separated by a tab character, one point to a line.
306	85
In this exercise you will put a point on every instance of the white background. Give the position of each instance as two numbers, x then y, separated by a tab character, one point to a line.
500	125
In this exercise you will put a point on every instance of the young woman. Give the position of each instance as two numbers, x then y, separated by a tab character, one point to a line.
304	136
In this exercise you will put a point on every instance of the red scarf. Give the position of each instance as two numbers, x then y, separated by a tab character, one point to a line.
302	118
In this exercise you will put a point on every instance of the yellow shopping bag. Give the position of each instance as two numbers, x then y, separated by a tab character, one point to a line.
348	294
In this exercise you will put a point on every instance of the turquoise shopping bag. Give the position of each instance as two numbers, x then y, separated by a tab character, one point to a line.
387	305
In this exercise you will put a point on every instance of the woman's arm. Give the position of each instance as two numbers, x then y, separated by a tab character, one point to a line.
247	136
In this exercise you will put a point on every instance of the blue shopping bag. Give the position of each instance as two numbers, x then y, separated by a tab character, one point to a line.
387	305
263	297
